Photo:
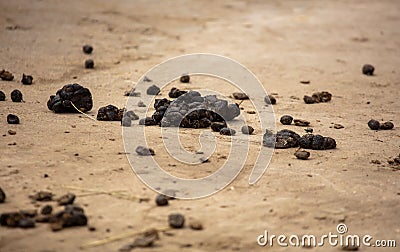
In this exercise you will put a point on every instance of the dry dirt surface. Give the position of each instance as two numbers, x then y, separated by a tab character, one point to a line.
281	42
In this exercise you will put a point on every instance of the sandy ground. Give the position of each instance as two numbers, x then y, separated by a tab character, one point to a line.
282	42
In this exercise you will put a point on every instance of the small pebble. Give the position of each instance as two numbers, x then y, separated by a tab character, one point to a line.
46	210
270	100
302	154
126	121
301	123
143	151
12	119
12	132
248	130
89	64
26	223
240	96
368	69
2	96
286	120
185	78
227	132
88	49
373	124
338	126
176	220
141	104
162	200
16	96
26	79
309	130
66	199
217	126
153	90
196	225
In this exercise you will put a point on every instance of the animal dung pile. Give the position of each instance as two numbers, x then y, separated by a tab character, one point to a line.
318	97
69	98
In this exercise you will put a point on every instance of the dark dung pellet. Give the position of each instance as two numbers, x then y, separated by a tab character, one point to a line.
88	49
270	100
16	96
26	79
368	69
185	78
66	199
308	99
12	119
2	96
217	126
126	121
302	154
387	126
374	124
143	151
161	200
6	75
240	96
69	97
248	130
227	132
176	220
89	64
46	210
286	119
2	196
26	223
109	113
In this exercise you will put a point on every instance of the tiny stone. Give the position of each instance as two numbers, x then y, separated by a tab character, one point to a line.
286	120
153	90
2	96
143	151
42	196
66	199
26	79
185	78
248	130
302	154
12	119
196	225
88	49
162	200
126	121
270	100
338	126
141	104
373	124
16	96
91	228
12	132
240	96
387	126
89	64
176	220
217	126
368	69
300	122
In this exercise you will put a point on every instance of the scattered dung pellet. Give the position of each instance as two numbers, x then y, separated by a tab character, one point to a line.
176	220
281	140
308	99
153	90
42	196
349	247
302	154
204	160
317	142
46	210
368	69
29	213
318	97
286	119
126	121
387	126
16	96
12	132
338	126
248	130
92	228
196	225
66	199
309	130
6	75
143	151
374	124
69	96
270	100
217	126
301	123
162	200
89	64
2	196
175	93
240	96
145	240
26	223
88	49
148	121
71	216
185	78
2	96
109	113
227	132
26	79
12	119
11	219
141	104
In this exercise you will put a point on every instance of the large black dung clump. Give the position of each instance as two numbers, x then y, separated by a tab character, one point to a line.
70	94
